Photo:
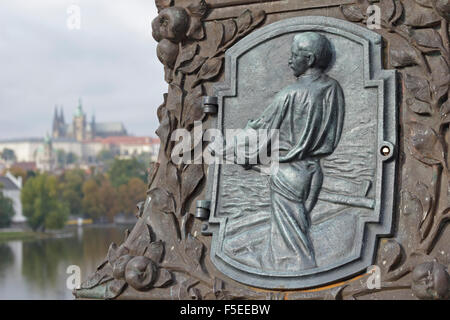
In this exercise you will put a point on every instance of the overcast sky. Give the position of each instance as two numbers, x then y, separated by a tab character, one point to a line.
110	63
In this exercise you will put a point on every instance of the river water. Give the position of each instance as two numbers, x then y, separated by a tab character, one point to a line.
37	269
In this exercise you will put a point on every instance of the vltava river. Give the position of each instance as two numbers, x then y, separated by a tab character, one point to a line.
36	269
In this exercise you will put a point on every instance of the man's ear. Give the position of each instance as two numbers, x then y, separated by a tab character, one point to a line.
311	59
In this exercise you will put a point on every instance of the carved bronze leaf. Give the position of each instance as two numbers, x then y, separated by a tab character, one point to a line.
191	177
424	3
194	65
187	53
244	21
390	255
175	97
428	38
165	278
442	7
417	16
445	108
167	124
426	200
194	249
209	70
257	17
398	11
162	200
114	288
186	224
96	279
218	30
401	53
387	9
419	107
419	87
184	290
196	31
172	181
441	78
411	204
230	29
352	12
196	9
114	252
160	111
193	107
424	144
155	251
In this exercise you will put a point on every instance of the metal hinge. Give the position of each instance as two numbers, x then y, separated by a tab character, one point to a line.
210	104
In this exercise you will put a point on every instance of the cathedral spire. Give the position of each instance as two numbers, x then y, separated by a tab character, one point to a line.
79	112
61	114
55	125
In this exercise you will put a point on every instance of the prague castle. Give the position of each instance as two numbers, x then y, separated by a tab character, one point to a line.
80	139
81	130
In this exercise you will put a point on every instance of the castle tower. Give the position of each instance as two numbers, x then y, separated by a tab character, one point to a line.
79	123
61	120
59	125
55	125
45	159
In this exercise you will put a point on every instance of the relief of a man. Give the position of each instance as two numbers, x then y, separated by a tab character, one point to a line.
309	115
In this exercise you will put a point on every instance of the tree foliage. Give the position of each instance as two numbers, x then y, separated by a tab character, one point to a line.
100	199
122	170
71	183
42	204
130	194
6	210
8	155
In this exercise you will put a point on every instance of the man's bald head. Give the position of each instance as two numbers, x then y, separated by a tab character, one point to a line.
316	44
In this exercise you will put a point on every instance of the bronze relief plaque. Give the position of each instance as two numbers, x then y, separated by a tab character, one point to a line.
318	83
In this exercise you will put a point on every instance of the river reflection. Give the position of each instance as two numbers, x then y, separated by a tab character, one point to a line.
37	269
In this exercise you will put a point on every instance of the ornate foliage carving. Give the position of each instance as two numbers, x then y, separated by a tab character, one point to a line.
145	263
419	48
165	248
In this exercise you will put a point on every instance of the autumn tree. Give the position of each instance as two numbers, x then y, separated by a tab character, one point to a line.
18	172
131	194
71	184
91	202
108	200
100	199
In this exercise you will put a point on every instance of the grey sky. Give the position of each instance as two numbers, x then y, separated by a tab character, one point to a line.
111	63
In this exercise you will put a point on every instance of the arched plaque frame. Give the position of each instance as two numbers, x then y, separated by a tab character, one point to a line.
369	229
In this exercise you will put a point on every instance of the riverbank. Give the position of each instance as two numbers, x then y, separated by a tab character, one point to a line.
22	235
10	234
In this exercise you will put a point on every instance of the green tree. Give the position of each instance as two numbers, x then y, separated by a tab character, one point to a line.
71	184
122	170
42	204
105	155
8	155
6	209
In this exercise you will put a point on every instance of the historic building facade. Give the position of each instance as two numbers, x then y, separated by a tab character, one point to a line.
81	129
80	140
